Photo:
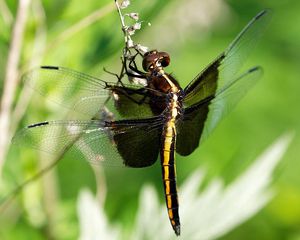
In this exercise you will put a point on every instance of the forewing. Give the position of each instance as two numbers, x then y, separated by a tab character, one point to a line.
222	71
129	102
85	94
66	87
201	119
132	143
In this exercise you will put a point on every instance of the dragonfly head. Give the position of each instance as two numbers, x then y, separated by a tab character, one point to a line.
154	59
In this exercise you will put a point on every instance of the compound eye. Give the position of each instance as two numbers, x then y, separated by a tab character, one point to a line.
164	59
165	62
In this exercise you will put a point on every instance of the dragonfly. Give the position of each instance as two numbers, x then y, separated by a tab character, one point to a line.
153	121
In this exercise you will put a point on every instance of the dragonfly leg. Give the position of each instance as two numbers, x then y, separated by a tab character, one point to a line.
119	77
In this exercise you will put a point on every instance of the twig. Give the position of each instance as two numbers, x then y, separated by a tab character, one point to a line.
127	38
128	31
11	77
38	46
49	182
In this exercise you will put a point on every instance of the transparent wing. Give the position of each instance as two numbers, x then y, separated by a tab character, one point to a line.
84	93
227	98
132	143
202	118
222	71
66	87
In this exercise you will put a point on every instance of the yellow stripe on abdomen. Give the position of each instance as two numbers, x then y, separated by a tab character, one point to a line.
169	173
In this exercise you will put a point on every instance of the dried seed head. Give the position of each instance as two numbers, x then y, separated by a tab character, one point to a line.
130	43
142	49
134	16
124	4
137	25
131	29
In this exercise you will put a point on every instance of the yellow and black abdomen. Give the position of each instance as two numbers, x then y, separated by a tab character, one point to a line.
169	173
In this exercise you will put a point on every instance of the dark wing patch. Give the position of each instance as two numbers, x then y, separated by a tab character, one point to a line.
205	84
190	129
133	103
200	119
139	148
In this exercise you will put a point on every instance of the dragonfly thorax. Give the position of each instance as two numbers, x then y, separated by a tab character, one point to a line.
174	105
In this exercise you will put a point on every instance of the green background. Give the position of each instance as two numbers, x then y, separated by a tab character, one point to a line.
270	109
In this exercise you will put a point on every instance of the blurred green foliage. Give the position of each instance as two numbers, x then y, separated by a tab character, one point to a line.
269	110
